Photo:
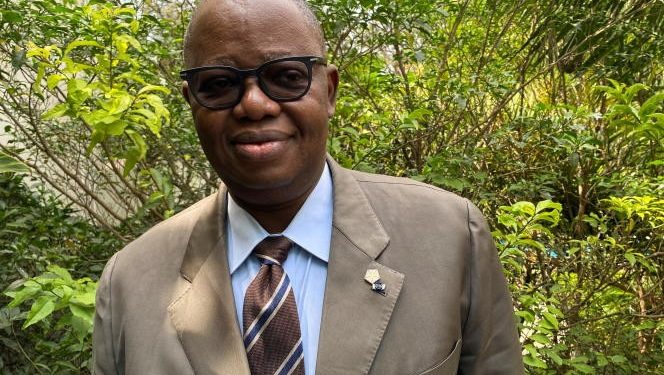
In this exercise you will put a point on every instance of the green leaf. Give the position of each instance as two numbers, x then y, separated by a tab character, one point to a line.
652	104
457	184
131	76
42	308
104	123
583	368
547	204
532	361
95	138
128	39
147	114
419	114
85	313
601	360
580	359
155	197
57	111
622	110
80	326
524	207
631	258
53	80
11	165
120	102
78	91
29	290
508	221
151	88
36	85
527	316
549	317
634	89
540	339
11	17
61	272
618	359
81	43
159	179
84	299
531	243
554	356
135	153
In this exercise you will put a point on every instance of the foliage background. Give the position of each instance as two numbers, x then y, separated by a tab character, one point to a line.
548	115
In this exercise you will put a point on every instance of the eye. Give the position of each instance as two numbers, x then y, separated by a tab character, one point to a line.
216	84
290	77
286	75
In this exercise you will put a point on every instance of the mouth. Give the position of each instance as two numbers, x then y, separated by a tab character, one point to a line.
260	145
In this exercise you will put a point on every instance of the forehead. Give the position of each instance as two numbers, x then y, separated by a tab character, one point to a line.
248	33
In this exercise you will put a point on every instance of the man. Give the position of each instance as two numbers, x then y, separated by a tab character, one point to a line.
388	276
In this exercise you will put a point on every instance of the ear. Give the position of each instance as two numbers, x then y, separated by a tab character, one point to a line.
185	92
332	85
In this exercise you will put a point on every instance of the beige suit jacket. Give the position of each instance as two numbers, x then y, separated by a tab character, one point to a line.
165	303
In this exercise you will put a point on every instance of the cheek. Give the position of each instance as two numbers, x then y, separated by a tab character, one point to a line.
210	134
207	122
318	141
319	124
205	134
317	110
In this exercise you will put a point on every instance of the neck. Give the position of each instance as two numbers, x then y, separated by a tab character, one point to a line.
274	218
275	208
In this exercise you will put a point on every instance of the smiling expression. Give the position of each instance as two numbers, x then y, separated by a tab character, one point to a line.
266	152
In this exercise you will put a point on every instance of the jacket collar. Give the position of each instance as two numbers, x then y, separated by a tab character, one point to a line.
354	317
203	312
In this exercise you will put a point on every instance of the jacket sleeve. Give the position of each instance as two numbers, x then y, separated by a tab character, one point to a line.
490	340
103	355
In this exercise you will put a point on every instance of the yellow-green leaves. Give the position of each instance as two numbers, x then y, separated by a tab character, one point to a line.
43	53
526	221
56	291
81	43
98	82
78	91
42	308
11	165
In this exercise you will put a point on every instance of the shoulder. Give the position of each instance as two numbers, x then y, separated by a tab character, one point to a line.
400	183
162	247
402	192
174	229
411	209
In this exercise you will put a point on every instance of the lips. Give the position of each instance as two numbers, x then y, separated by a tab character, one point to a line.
260	146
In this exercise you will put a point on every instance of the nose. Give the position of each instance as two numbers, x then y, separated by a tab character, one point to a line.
255	104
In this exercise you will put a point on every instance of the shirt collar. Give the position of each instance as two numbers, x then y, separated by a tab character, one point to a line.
311	228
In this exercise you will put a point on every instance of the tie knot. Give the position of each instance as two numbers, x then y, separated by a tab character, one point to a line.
273	250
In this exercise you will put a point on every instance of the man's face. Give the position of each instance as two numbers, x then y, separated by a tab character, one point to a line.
266	152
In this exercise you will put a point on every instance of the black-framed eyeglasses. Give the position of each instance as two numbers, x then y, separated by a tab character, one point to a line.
222	87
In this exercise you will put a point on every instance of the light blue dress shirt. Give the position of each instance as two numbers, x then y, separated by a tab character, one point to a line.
306	265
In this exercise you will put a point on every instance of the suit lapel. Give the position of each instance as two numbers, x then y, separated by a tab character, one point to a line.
203	313
354	317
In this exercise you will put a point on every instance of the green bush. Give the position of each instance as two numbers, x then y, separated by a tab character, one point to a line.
548	115
47	259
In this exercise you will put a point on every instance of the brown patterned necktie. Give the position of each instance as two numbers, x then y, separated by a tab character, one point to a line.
271	325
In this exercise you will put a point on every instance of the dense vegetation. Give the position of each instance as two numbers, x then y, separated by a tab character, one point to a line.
548	115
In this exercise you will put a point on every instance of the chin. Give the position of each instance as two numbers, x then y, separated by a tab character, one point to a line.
256	182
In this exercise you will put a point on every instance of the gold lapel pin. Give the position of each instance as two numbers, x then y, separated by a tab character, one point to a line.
373	277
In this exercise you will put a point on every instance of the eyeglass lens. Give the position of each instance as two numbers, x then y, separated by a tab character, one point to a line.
280	80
